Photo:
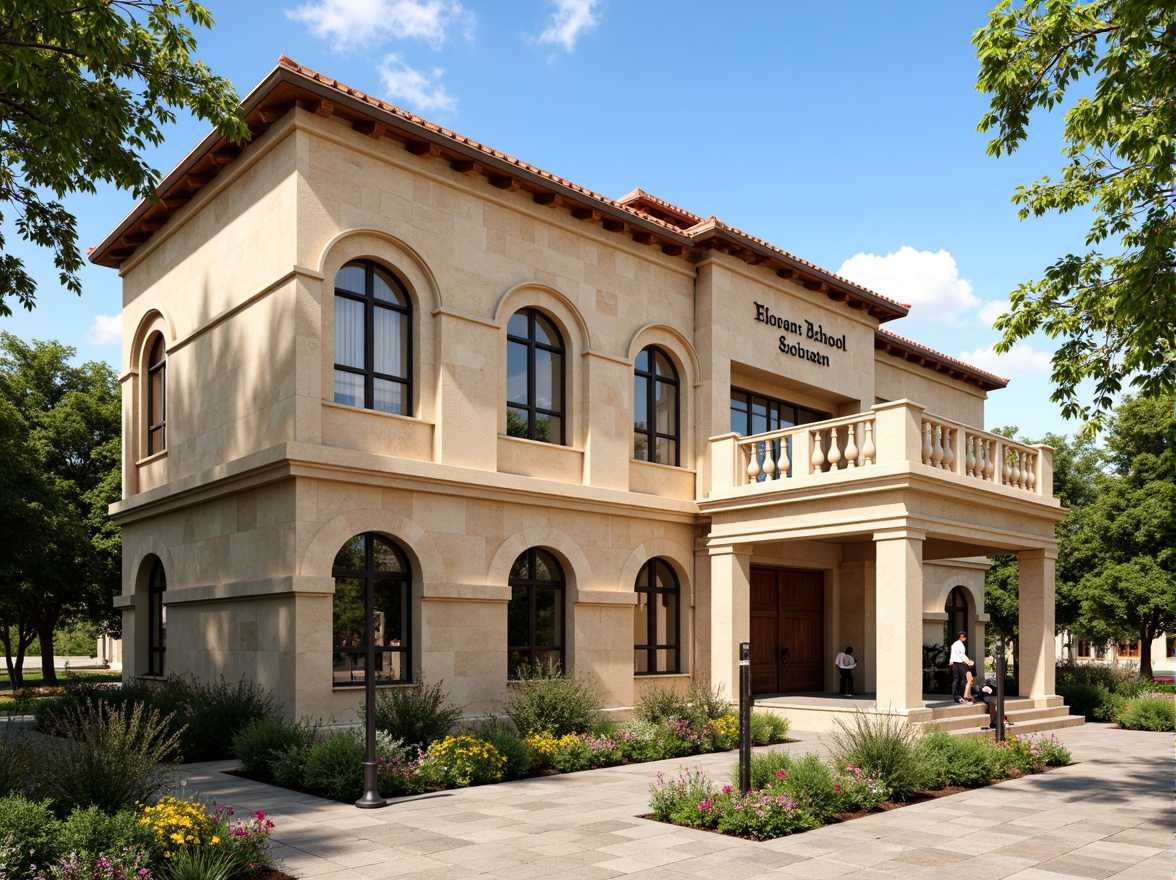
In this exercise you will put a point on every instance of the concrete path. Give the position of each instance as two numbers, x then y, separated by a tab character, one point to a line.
1108	815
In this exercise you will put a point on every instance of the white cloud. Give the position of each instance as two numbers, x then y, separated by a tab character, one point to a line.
570	19
929	282
105	330
990	311
1017	361
347	23
415	89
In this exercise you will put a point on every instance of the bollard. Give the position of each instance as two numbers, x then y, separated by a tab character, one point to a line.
998	650
371	796
745	716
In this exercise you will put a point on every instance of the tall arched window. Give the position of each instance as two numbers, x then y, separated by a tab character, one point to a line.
156	397
655	623
535	612
373	339
957	615
372	582
156	619
655	407
534	378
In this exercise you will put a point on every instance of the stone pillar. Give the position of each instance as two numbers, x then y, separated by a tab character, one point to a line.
730	614
899	616
467	404
1035	622
608	440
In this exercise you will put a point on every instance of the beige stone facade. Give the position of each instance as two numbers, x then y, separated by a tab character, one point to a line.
262	477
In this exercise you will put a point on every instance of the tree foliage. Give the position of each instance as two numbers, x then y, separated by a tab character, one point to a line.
60	426
1113	64
85	87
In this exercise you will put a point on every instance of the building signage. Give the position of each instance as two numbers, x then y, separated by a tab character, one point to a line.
813	334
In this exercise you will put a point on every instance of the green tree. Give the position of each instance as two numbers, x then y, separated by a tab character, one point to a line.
1125	539
67	562
1111	62
85	86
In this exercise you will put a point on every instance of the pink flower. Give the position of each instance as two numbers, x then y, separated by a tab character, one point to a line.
837	785
704	806
780	774
726	789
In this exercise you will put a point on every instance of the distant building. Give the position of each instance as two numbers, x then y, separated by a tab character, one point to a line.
373	367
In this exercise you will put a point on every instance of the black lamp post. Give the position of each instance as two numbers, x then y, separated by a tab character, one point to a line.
998	649
745	716
371	796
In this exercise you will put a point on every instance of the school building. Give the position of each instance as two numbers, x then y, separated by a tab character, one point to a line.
374	368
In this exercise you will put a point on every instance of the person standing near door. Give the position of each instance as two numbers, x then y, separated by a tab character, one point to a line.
959	667
845	665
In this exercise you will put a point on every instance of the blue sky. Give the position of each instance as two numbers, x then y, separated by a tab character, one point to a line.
844	133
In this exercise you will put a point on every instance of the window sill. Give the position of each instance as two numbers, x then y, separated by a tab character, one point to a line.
330	404
155	456
661	675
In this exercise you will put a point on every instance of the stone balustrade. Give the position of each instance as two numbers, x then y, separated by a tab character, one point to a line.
889	432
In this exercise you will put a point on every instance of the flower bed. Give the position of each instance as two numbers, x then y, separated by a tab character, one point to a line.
790	795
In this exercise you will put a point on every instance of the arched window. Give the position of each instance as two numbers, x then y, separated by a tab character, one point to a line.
957	615
372	583
156	619
534	378
655	407
535	612
373	339
157	397
655	622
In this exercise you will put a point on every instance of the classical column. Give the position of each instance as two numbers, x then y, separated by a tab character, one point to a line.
1035	622
730	613
898	588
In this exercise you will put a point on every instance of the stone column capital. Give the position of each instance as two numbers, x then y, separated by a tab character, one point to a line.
1038	553
900	534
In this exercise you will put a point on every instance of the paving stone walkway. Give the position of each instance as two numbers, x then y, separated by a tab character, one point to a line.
1107	815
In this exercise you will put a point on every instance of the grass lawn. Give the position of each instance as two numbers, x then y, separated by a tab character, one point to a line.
11	705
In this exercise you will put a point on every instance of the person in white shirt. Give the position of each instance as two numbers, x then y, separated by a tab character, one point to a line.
845	664
959	668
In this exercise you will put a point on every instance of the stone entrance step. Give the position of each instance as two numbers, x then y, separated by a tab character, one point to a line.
1025	716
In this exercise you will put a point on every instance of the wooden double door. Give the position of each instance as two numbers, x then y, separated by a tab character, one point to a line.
787	630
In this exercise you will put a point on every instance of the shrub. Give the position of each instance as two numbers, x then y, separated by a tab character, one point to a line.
107	758
125	863
1050	751
762	815
90	833
199	863
661	704
766	768
546	700
641	741
722	733
175	823
707	702
935	750
1148	713
567	753
288	767
28	837
334	767
677	800
509	744
974	760
810	784
881	744
258	743
768	728
858	791
418	714
461	761
1089	700
1017	758
1125	682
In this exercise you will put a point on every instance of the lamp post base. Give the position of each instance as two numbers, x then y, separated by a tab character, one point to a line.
371	797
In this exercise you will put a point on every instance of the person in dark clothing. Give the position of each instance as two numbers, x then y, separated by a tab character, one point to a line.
845	666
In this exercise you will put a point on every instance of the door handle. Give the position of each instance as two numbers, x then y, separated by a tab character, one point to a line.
783	655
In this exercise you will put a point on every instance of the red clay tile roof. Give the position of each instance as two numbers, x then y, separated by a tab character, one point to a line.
899	346
647	219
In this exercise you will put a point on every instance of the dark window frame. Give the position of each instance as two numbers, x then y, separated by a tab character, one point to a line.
775	413
956	607
370	304
369	575
156	368
532	344
646	583
531	584
652	379
156	619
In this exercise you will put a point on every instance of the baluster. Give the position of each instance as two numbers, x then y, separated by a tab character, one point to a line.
769	460
851	447
987	464
1031	472
753	468
948	453
818	453
926	443
785	464
1017	469
937	449
970	461
1007	468
868	449
834	449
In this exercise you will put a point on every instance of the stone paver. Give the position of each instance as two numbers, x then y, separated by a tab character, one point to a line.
1106	816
